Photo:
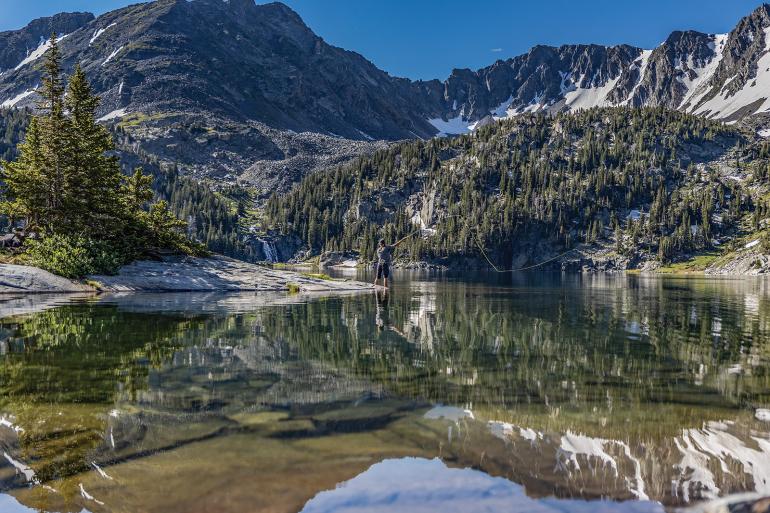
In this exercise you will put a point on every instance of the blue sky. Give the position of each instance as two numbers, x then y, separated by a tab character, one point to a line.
428	38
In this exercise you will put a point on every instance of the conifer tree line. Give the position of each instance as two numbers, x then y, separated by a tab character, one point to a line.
13	124
564	179
67	191
211	219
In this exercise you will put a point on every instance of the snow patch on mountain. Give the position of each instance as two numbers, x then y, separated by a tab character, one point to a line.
115	114
38	52
756	91
99	32
581	98
642	63
699	86
453	126
503	111
112	55
7	104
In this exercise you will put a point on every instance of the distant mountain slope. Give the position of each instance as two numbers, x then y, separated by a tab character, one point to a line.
623	187
17	45
725	77
237	92
240	60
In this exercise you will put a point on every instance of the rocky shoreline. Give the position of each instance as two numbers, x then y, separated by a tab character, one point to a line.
176	274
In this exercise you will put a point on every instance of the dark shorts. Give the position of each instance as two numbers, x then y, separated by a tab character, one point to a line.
383	270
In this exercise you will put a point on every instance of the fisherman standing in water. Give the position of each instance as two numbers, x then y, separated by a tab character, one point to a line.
384	257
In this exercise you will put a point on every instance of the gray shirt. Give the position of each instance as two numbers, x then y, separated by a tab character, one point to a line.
384	254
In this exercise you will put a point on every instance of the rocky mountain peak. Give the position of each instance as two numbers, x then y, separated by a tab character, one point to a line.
16	45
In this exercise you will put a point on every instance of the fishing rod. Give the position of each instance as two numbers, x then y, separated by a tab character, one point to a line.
408	236
484	253
478	243
419	230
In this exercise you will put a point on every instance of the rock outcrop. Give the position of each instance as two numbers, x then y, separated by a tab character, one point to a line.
21	278
178	274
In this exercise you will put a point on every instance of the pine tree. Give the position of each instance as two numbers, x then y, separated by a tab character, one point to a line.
54	131
24	188
94	175
67	185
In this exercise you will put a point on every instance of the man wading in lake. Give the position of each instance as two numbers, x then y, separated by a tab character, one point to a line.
384	257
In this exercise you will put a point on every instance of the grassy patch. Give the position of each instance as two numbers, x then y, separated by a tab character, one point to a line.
293	288
695	265
318	276
6	257
94	284
137	118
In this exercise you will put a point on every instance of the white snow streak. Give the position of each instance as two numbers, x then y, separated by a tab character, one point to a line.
16	99
99	32
29	474
115	114
699	86
87	496
644	62
38	52
112	55
755	90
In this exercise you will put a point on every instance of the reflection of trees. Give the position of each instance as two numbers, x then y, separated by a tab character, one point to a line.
610	356
63	369
604	345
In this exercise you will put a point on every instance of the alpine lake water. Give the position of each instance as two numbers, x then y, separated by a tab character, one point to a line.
536	393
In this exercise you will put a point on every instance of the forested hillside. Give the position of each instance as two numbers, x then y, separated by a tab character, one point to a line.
13	124
211	218
653	184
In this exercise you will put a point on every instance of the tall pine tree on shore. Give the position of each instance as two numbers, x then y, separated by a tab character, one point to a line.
66	184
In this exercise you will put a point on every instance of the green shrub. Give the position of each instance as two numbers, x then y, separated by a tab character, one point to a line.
75	256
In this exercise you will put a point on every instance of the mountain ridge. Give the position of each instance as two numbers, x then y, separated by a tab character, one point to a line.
236	92
549	78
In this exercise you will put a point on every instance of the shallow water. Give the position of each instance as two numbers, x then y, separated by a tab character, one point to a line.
471	393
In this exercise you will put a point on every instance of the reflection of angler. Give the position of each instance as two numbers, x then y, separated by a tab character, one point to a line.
381	317
382	314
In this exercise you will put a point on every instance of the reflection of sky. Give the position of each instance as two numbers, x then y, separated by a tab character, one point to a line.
8	504
416	485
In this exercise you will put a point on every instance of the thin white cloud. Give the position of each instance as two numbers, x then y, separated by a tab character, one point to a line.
496	50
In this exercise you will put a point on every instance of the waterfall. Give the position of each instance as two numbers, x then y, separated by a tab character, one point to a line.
268	248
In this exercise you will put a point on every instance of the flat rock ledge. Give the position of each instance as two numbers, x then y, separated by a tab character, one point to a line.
176	274
22	278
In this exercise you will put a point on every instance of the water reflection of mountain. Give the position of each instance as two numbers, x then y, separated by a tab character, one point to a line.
602	390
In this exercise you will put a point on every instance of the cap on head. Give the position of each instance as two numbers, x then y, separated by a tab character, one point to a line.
382	242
